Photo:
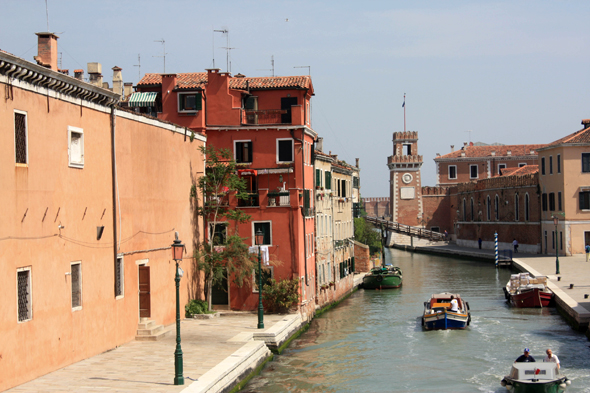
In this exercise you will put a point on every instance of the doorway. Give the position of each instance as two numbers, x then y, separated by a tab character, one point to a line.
220	294
144	292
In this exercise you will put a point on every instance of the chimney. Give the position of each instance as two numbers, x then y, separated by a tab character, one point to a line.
437	154
79	74
357	162
463	153
128	89
319	145
452	148
493	153
117	80
95	74
586	123
464	144
47	50
509	153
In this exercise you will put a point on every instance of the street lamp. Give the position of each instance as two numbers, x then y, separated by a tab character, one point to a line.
556	221
259	237
177	250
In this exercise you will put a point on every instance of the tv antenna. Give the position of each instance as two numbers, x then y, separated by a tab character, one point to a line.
163	53
272	66
226	47
47	15
138	65
308	69
469	131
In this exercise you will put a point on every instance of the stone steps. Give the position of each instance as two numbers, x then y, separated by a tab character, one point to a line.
147	330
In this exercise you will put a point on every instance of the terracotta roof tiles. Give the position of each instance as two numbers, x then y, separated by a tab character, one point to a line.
580	136
500	151
523	170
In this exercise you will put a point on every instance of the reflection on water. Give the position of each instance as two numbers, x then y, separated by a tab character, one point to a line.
374	342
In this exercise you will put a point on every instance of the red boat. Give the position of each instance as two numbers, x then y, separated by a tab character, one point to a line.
524	291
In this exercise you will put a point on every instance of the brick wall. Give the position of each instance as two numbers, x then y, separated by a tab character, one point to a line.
377	207
362	257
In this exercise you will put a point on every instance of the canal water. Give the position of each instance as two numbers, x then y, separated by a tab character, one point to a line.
374	342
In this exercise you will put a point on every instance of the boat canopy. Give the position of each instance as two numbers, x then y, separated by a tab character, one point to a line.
534	370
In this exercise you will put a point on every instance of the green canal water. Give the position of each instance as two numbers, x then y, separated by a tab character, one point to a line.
373	341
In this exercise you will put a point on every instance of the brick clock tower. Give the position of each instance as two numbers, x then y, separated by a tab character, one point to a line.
405	188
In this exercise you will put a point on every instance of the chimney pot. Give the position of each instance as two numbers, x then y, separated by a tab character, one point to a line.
47	50
452	148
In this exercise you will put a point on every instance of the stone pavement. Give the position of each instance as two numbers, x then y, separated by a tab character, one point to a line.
149	366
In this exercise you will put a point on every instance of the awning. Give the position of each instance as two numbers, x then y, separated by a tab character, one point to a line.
247	172
143	99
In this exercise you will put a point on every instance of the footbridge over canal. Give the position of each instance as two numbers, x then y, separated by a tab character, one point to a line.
407	230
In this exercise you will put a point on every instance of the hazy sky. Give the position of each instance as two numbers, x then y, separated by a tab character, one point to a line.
510	71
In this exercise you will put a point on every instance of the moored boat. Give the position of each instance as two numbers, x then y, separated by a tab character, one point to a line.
383	278
438	314
535	377
524	291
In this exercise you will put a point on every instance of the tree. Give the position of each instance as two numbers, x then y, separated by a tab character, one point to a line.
366	233
224	252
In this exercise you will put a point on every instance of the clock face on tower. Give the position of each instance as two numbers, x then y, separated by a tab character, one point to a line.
407	178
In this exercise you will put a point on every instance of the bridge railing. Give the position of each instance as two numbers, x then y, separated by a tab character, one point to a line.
407	229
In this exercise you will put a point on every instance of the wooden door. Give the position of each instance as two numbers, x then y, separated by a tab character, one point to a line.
144	292
286	103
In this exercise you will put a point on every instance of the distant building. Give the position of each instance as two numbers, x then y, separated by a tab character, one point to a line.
473	163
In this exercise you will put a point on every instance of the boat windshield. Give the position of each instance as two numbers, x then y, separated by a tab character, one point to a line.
534	371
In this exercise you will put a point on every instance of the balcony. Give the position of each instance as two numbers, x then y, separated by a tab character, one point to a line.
266	116
279	199
250	201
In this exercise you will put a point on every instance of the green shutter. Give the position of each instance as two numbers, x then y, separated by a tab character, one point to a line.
327	180
318	177
199	101
353	267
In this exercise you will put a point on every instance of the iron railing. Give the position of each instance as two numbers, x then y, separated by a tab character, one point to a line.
279	199
266	116
407	229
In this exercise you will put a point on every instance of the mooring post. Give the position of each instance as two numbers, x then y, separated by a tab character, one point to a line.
496	246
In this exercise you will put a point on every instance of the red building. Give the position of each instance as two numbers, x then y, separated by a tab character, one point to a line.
266	123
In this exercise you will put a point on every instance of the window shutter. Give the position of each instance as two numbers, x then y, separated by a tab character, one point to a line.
318	177
328	176
239	152
198	101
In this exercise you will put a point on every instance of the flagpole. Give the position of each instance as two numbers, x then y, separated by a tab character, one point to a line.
404	112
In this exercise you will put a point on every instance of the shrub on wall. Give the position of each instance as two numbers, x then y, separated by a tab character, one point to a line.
280	296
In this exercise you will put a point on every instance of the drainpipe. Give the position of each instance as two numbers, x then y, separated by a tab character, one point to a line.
303	188
114	191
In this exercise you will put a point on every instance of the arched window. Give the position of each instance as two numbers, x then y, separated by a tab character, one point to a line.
472	216
497	208
464	210
516	208
489	208
526	207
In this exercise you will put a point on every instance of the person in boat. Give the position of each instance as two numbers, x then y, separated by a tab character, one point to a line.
454	304
525	357
551	357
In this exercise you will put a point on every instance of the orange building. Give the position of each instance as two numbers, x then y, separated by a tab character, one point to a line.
266	123
91	198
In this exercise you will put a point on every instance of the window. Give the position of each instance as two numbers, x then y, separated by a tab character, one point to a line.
489	208
219	233
472	211
516	208
473	171
189	102
318	177
526	207
251	103
452	171
544	202
265	227
306	203
20	138
76	147
520	165
551	201
558	163
500	167
267	274
328	180
76	276
243	151
551	165
584	200
24	298
119	277
561	240
585	162
284	150
497	207
559	207
543	165
464	210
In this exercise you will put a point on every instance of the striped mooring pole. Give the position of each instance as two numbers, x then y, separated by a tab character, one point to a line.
496	246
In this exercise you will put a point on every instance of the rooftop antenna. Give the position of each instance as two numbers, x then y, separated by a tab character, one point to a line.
308	69
404	106
223	31
47	15
138	65
469	131
59	60
272	65
226	47
164	53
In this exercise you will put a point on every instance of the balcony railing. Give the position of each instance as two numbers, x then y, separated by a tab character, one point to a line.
266	116
250	201
279	199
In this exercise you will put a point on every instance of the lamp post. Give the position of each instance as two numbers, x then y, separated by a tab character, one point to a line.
177	250
556	221
259	237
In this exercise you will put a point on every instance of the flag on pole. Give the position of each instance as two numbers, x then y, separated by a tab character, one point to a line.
404	104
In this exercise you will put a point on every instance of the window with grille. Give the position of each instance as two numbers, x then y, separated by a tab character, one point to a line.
452	171
76	147
76	275
20	137
119	277
25	307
